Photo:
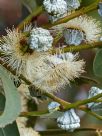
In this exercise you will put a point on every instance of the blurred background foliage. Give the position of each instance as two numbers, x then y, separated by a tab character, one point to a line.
12	12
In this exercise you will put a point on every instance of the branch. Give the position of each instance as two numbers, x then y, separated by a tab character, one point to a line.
83	102
81	47
41	113
33	114
98	101
92	113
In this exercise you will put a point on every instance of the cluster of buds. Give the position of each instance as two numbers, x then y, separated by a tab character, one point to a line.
60	8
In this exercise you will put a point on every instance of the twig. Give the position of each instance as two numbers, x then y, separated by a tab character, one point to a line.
83	102
35	113
98	101
92	113
81	47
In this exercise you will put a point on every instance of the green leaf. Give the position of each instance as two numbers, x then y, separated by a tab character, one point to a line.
97	65
13	104
2	102
9	130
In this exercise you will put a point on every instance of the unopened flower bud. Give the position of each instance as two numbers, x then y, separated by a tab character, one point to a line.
53	106
69	120
40	39
55	8
95	106
73	37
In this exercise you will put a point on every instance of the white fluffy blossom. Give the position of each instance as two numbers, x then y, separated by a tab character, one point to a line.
94	105
69	120
40	39
13	56
12	47
52	72
86	24
55	8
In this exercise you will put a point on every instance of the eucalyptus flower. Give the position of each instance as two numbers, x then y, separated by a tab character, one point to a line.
12	50
83	28
53	72
17	49
69	120
55	8
40	39
95	106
